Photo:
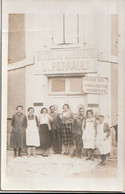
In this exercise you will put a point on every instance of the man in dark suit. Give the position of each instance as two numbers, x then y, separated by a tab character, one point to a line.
77	132
56	131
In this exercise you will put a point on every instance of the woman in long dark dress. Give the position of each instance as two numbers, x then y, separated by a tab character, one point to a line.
44	131
18	134
66	129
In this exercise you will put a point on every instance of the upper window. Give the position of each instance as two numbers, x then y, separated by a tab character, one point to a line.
58	85
75	85
65	29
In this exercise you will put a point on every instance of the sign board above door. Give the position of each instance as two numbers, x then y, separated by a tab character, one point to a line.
38	104
95	85
60	61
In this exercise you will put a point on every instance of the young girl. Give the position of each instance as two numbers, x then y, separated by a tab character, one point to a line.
103	139
44	130
32	134
89	134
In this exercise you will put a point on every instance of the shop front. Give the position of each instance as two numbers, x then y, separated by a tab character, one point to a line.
71	76
62	72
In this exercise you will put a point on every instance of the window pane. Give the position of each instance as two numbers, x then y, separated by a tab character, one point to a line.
58	85
57	33
71	28
75	85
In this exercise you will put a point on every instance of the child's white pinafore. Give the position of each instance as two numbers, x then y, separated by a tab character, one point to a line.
104	146
89	135
32	134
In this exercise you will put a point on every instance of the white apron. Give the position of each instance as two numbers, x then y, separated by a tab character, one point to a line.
32	134
89	135
104	146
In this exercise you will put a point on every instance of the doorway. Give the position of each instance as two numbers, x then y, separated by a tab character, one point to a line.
66	90
73	101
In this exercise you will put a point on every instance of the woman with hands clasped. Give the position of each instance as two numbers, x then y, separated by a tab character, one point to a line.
32	133
89	134
66	128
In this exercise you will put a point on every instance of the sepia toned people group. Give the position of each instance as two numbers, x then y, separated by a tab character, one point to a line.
85	130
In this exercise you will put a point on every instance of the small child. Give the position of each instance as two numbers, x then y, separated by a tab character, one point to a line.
103	139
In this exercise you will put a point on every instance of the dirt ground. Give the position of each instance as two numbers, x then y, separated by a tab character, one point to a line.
43	173
58	165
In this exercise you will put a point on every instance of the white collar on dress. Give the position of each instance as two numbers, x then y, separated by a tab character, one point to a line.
90	119
65	113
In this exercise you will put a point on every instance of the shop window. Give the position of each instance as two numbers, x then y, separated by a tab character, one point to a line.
68	85
75	85
65	29
58	85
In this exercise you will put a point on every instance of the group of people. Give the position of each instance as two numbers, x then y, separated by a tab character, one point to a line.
53	129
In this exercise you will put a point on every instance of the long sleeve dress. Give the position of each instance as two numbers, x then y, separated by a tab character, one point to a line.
103	139
66	128
18	133
44	131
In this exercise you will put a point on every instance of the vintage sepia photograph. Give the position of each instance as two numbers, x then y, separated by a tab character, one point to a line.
61	95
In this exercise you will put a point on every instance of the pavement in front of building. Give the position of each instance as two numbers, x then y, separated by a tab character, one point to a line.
55	172
58	165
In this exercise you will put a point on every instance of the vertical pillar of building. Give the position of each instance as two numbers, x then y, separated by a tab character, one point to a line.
109	66
107	55
29	37
38	93
45	86
109	94
29	56
103	64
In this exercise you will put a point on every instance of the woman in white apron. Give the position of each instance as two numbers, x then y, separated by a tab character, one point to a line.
89	133
103	139
32	134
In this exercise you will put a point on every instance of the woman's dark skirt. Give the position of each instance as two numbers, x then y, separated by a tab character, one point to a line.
67	136
45	136
18	138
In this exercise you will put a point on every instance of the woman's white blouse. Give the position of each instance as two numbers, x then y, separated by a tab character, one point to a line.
44	119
